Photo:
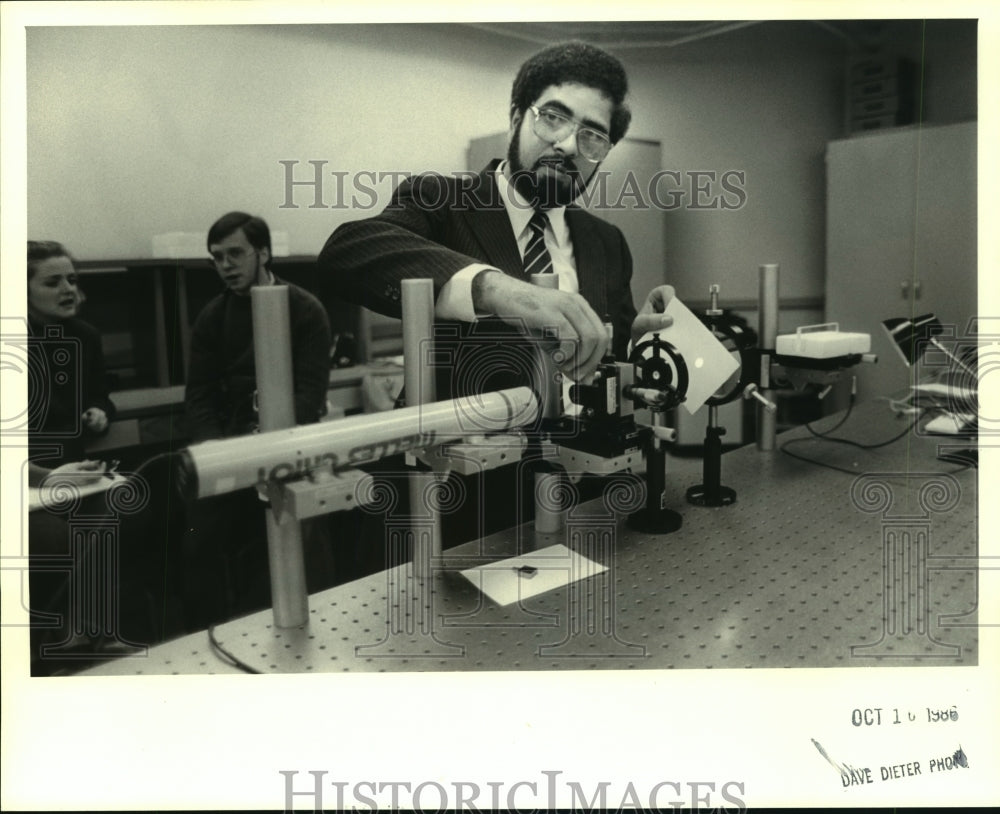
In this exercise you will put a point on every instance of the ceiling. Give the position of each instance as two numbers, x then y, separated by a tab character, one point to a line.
665	34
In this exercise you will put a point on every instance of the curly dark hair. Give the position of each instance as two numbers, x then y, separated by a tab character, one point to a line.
578	62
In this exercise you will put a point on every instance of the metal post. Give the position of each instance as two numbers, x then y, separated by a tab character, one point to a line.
712	463
549	519
550	515
272	339
420	388
768	329
655	517
418	331
550	386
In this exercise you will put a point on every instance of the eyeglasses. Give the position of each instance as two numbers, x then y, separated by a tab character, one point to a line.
553	126
235	255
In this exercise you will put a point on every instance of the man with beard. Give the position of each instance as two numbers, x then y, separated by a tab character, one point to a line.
479	238
470	235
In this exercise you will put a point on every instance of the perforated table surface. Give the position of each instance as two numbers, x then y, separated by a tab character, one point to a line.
810	567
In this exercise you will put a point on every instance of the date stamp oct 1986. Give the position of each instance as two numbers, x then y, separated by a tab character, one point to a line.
890	717
877	716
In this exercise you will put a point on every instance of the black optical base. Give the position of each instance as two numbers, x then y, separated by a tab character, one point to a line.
702	495
655	521
711	492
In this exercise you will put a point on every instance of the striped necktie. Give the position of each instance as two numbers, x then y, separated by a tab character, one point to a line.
537	259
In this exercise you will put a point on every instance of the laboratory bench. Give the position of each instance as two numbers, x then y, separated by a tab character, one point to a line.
866	558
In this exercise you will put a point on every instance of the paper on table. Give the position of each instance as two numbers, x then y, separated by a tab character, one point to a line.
709	363
949	423
50	496
555	566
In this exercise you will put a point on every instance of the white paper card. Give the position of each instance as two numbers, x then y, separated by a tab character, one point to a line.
708	362
555	566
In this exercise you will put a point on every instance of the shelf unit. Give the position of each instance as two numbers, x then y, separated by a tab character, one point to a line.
145	310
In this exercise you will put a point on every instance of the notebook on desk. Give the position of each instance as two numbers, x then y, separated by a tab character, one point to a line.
54	497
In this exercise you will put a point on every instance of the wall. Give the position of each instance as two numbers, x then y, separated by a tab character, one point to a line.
765	100
770	124
136	131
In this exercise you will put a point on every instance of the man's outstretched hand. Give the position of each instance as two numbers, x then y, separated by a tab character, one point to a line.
582	338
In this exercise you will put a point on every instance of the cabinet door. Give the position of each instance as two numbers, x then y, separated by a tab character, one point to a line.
944	257
126	305
901	237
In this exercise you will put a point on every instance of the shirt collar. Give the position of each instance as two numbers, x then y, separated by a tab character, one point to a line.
520	211
271	279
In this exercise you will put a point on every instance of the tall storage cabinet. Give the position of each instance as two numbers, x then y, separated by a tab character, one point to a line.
901	237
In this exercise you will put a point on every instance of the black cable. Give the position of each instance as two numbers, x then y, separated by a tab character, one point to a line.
784	448
838	425
892	440
825	436
855	472
226	656
149	462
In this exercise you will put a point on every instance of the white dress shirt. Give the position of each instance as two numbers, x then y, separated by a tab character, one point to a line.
455	299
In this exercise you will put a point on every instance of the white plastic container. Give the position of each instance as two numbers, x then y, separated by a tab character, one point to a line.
179	245
824	341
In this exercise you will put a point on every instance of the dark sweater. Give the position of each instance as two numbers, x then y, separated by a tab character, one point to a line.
66	378
221	375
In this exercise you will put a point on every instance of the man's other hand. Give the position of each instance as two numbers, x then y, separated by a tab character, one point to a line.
651	317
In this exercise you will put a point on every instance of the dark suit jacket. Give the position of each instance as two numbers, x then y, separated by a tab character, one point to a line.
436	225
